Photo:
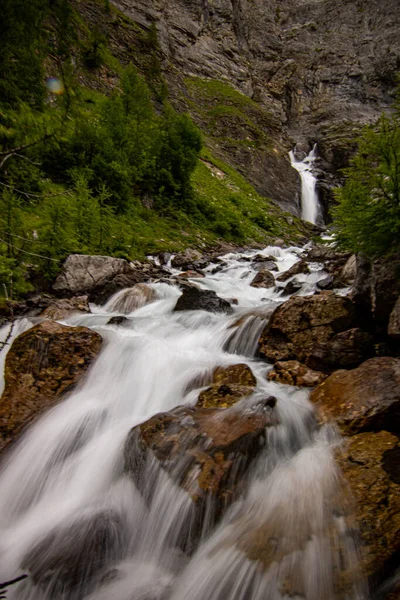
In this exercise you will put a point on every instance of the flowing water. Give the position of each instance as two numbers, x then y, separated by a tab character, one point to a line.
309	196
284	537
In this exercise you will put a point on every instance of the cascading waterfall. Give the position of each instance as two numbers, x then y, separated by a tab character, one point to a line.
309	196
72	517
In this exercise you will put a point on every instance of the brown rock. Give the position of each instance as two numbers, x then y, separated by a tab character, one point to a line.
62	309
263	279
42	364
369	462
186	258
300	267
301	328
294	373
205	451
135	297
363	399
229	385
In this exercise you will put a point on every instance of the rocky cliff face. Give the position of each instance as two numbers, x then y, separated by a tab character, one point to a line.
311	70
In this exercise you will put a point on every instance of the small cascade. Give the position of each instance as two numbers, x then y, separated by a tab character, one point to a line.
309	197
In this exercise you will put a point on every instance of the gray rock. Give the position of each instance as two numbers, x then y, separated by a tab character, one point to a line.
326	284
195	299
81	273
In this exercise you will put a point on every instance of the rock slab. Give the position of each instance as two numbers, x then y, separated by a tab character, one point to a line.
42	364
362	399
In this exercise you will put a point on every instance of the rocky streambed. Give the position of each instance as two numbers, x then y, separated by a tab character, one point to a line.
204	427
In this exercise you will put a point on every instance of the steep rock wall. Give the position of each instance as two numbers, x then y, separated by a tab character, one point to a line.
315	68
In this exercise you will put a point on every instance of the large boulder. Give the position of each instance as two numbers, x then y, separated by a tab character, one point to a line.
370	465
194	299
101	276
292	372
363	399
64	308
318	331
42	364
263	279
229	385
205	451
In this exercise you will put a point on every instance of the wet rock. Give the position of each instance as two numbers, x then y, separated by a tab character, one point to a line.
131	299
300	267
394	321
326	284
229	385
164	258
117	320
292	287
195	299
62	309
302	328
366	463
205	451
41	365
73	558
191	274
363	399
294	373
263	279
185	259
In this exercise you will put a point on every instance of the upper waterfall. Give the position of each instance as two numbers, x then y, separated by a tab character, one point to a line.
309	196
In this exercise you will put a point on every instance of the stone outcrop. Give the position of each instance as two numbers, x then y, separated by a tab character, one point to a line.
229	385
305	72
194	299
42	364
370	465
101	276
318	331
205	451
376	290
362	399
62	309
294	373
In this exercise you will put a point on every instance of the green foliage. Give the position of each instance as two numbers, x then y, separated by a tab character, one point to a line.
117	174
367	216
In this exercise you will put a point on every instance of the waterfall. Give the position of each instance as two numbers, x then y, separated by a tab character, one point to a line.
72	517
309	196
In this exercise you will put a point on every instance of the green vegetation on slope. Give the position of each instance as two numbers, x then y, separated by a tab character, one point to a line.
97	161
367	216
